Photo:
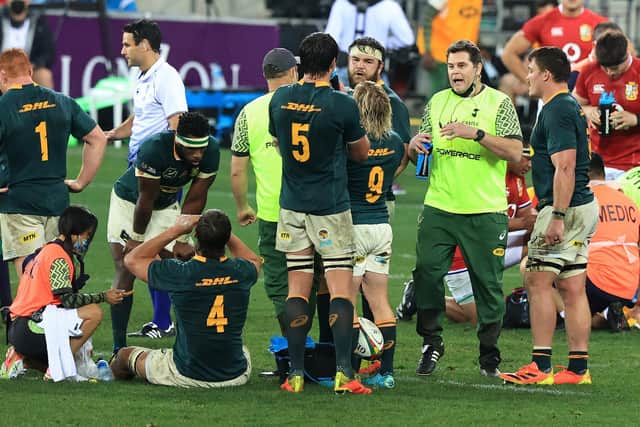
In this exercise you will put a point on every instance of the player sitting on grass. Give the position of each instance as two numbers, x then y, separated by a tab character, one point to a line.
210	296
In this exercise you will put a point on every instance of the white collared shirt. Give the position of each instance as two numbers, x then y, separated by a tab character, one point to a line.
159	94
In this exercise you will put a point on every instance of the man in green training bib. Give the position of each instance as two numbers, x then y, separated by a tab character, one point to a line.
474	130
253	144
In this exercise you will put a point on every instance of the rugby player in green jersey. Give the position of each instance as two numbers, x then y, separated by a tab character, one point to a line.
567	218
366	63
317	128
474	130
210	295
35	126
144	199
369	182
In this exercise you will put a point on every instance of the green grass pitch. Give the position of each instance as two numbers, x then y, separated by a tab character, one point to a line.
455	395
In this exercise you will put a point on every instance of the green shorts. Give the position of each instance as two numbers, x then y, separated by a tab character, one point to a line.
274	265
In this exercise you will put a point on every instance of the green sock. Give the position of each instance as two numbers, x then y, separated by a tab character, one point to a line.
341	312
297	328
389	348
120	314
578	361
542	357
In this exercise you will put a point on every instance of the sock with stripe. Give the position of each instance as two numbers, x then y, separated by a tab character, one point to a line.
341	321
388	329
578	361
297	328
542	357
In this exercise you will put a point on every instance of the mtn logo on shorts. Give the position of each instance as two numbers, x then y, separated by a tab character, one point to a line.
28	237
307	108
227	280
284	235
498	252
36	106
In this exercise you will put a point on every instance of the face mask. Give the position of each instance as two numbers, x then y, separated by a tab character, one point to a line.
17	7
81	247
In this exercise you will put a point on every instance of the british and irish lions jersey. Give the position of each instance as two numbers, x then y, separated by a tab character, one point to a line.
574	35
157	160
313	125
210	299
35	124
371	180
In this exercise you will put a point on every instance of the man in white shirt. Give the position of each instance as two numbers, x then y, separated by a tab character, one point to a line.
158	102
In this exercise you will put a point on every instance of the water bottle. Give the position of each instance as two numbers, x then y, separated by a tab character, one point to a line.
104	371
217	78
423	165
606	106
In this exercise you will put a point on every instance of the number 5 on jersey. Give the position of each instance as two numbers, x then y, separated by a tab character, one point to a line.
300	141
216	315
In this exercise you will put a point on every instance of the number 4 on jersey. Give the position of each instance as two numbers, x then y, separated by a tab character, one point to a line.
216	315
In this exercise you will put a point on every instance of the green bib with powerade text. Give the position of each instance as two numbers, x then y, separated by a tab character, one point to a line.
265	158
466	178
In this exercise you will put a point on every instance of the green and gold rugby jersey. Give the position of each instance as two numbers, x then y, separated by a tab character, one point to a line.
561	125
313	124
35	125
210	299
371	180
157	159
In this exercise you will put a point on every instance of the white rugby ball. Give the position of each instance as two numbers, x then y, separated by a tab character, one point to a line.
370	341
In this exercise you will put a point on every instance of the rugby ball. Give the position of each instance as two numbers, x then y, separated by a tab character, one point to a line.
370	340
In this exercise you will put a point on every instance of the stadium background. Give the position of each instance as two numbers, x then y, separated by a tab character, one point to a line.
456	394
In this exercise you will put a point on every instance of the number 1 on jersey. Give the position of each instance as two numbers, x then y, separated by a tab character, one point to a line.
41	130
216	315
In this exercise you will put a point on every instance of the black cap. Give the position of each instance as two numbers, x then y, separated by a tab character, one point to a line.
278	60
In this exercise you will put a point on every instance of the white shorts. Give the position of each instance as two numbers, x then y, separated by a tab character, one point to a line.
330	235
516	242
160	369
121	218
373	248
459	284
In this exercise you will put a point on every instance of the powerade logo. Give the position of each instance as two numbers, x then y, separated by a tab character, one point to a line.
454	153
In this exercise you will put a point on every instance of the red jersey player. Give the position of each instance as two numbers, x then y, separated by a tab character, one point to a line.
568	26
618	72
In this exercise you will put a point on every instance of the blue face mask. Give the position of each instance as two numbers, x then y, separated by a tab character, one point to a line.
81	247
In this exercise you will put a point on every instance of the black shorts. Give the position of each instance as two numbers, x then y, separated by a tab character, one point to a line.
27	342
599	299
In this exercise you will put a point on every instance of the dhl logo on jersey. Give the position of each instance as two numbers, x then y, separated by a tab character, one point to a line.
216	281
306	108
41	105
380	152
